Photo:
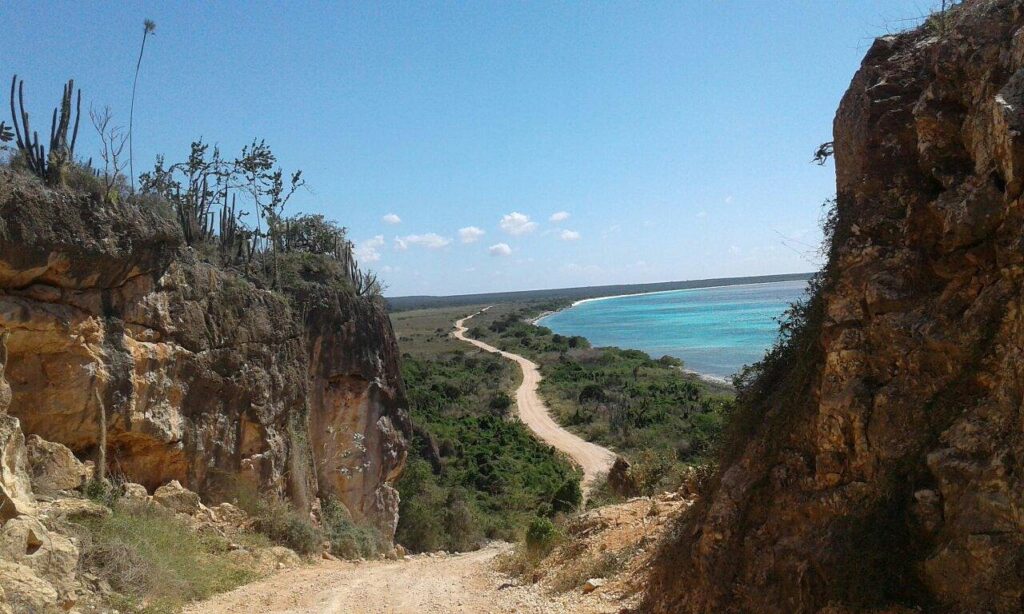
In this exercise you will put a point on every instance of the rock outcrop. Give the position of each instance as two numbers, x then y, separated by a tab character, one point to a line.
883	458
201	376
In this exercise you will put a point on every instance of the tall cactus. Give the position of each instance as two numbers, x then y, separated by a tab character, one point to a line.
62	151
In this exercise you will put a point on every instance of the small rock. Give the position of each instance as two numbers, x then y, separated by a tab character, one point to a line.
593	584
177	498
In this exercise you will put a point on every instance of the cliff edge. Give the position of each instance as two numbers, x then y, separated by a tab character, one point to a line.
877	455
200	375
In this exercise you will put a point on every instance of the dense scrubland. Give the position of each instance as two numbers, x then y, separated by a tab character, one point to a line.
474	472
660	418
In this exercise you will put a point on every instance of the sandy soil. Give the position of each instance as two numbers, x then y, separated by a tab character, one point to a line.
592	458
421	584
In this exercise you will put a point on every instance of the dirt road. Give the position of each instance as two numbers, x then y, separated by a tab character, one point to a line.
592	458
422	584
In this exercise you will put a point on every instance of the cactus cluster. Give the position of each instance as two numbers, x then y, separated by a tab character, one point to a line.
49	166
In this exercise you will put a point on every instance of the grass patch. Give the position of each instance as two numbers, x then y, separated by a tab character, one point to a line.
155	561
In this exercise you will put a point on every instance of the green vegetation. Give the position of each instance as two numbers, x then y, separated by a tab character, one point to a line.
155	561
474	472
648	410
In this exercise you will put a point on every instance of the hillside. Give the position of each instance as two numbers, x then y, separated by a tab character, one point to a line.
875	461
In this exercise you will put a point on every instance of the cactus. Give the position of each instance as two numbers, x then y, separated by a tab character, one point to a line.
62	151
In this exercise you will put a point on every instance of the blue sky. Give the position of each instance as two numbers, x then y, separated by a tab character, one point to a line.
674	137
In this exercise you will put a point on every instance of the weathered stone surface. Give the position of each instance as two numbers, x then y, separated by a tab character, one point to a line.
27	592
134	492
65	507
50	555
15	486
52	466
203	377
177	498
885	464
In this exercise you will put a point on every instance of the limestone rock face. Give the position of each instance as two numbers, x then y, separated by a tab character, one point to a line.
24	591
202	377
16	496
884	463
176	498
53	467
50	555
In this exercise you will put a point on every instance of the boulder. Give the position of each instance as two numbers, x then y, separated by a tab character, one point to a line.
15	486
50	555
177	498
52	466
134	492
25	591
62	508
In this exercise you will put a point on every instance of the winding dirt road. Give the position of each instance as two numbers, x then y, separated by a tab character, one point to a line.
420	584
592	458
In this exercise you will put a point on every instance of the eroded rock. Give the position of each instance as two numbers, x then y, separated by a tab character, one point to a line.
885	462
177	498
53	467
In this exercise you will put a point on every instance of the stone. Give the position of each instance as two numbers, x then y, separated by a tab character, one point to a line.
50	555
134	492
593	584
177	498
15	485
73	507
25	591
53	467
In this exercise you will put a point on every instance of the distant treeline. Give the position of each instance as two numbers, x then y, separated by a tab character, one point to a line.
406	303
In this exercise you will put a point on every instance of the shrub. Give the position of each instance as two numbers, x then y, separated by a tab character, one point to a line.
569	497
282	523
348	540
151	557
541	537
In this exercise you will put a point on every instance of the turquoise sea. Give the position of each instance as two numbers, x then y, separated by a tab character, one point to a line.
715	331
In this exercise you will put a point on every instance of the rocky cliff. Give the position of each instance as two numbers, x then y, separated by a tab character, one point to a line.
879	454
199	375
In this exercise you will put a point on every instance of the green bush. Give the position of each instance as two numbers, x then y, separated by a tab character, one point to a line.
541	537
285	525
568	498
348	540
152	558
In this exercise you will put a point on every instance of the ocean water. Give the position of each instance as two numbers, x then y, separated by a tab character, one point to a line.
715	331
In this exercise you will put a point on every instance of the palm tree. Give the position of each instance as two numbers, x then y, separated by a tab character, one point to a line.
148	27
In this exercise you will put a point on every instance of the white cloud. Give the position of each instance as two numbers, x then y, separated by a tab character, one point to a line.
430	240
500	249
369	250
728	199
561	216
516	223
470	234
392	219
569	235
702	214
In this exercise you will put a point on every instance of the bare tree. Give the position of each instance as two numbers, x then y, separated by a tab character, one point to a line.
113	139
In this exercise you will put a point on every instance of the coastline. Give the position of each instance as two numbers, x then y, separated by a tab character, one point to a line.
605	298
713	379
